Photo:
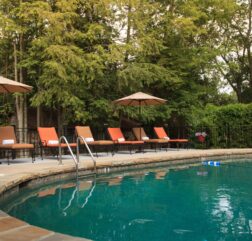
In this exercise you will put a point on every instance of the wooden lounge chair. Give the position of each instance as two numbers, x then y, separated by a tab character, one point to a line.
141	136
161	134
85	132
118	138
8	143
50	140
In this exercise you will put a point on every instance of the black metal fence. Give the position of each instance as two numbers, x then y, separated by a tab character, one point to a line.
215	137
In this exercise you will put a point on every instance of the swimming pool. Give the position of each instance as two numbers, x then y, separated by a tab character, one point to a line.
199	203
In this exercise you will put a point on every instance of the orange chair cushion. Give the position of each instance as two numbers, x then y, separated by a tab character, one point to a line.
178	140
63	145
83	131
101	142
160	132
139	133
22	146
46	134
7	133
17	146
115	133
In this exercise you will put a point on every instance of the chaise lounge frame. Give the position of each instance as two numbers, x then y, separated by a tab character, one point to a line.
115	134
8	133
85	132
49	133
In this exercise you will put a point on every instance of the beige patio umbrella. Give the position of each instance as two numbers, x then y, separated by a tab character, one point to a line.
139	99
10	86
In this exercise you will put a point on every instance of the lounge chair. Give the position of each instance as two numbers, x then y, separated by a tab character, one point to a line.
161	134
50	140
141	136
85	132
8	143
118	138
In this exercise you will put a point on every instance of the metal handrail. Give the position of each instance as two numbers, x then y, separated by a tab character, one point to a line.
71	152
79	139
74	194
69	202
90	194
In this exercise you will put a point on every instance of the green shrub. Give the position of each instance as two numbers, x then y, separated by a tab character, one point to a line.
227	126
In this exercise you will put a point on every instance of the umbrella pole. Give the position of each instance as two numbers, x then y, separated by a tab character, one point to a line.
140	112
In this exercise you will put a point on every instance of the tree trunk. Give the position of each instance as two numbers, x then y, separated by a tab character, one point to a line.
22	106
238	91
249	42
6	65
15	61
25	121
38	116
128	36
19	105
59	124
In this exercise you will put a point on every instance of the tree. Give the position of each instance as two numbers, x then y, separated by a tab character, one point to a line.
233	21
13	31
80	55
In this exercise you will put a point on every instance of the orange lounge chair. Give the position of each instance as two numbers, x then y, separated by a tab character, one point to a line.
117	137
8	143
141	136
49	139
161	134
85	132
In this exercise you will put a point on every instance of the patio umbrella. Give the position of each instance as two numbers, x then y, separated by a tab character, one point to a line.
10	86
139	99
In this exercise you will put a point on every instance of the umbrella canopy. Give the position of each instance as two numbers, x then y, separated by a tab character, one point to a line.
10	86
139	99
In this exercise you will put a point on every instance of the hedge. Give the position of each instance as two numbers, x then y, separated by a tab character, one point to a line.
227	126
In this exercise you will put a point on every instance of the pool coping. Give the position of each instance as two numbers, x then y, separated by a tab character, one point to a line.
13	177
11	228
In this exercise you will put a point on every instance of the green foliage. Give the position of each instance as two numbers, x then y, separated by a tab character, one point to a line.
228	125
139	75
6	109
80	55
233	115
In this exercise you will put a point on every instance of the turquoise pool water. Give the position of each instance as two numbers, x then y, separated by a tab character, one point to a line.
202	203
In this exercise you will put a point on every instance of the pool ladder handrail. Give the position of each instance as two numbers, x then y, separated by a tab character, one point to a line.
75	192
76	161
78	140
91	190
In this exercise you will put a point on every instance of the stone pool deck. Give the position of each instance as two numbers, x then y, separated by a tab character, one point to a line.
13	175
12	229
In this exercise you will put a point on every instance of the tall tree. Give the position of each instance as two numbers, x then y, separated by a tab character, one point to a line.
13	31
79	55
233	23
55	60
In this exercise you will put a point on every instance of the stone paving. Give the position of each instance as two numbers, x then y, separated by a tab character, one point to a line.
19	171
12	229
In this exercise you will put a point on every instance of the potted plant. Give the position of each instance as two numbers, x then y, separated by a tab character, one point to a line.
201	136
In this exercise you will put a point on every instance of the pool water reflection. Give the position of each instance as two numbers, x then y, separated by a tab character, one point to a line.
200	203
